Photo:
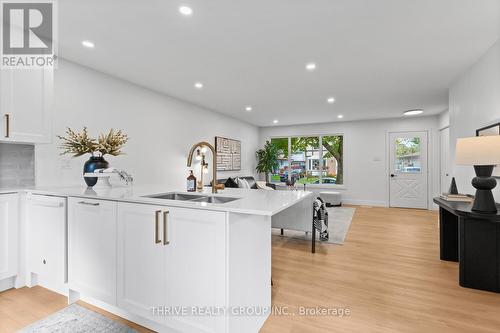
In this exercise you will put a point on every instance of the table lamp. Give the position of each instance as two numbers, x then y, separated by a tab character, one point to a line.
483	152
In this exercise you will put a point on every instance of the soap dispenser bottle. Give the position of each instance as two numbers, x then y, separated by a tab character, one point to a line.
191	182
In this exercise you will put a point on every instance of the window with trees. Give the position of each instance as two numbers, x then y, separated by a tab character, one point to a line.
280	173
310	159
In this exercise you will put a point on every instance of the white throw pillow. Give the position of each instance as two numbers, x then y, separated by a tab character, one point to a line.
243	183
263	186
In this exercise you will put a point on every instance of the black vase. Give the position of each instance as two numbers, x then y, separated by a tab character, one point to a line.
95	162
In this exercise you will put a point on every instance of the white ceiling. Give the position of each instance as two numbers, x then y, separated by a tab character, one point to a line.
376	57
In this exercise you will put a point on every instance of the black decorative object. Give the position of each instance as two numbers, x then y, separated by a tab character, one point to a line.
453	187
80	143
94	163
483	152
483	183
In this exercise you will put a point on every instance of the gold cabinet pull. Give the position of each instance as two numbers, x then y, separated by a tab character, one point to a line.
7	125
165	228
157	227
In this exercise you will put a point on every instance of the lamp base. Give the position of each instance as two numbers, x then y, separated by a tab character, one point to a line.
484	201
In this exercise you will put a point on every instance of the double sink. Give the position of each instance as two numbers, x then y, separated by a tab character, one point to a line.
193	197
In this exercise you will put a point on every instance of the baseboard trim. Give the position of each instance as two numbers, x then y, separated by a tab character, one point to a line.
124	314
364	202
7	283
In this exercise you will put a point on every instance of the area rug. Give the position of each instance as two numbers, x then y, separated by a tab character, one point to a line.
77	319
339	222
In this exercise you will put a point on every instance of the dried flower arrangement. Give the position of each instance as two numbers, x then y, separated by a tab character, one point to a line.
78	144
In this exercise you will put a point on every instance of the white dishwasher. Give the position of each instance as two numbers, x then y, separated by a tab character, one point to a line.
46	242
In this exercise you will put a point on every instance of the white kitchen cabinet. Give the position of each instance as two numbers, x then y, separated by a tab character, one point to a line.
92	248
174	258
26	102
46	245
196	266
9	231
141	264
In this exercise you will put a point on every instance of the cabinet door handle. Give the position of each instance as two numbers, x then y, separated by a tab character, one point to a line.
7	125
157	227
165	228
88	203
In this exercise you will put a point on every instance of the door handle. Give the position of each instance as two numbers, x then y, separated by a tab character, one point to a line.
393	175
88	203
165	228
157	227
7	125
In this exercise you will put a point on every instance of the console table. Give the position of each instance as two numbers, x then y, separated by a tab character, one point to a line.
472	239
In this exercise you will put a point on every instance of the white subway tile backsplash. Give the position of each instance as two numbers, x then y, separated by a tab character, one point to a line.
17	165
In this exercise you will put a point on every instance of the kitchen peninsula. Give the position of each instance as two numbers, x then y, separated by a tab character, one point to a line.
159	258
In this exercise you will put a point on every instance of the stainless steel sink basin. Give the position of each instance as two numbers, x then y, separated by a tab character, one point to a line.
192	197
215	199
175	196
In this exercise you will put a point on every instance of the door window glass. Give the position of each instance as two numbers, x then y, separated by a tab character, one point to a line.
408	159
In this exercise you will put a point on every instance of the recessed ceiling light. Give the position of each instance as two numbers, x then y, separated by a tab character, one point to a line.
331	100
88	43
340	116
185	10
275	121
248	108
198	85
311	66
413	112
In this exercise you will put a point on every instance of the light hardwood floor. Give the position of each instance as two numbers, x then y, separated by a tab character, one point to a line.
388	274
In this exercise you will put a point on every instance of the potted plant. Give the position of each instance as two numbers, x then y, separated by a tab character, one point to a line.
267	159
78	144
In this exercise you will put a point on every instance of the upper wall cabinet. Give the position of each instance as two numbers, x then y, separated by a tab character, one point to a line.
26	98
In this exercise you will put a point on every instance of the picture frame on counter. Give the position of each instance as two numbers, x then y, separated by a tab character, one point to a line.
489	131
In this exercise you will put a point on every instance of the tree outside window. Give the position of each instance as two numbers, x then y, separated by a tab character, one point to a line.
312	159
280	173
333	157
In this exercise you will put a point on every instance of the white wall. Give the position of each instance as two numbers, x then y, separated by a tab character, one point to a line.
161	129
444	120
366	160
474	103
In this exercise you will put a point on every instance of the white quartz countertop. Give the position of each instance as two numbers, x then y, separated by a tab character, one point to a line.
257	202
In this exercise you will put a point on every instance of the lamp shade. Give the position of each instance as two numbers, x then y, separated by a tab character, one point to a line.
479	150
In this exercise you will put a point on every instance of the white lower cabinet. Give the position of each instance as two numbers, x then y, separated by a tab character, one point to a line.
92	248
141	265
166	265
172	259
46	246
9	231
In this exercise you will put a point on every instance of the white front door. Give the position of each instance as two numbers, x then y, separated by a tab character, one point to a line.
408	169
445	160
